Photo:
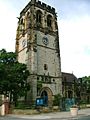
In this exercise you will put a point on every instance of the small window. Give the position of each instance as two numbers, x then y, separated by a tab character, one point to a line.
37	78
45	67
53	80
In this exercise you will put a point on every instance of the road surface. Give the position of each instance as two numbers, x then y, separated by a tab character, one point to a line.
82	115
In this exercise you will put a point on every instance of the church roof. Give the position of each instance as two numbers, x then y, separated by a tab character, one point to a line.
69	77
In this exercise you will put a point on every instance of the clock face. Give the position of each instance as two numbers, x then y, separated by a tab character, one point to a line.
24	43
45	40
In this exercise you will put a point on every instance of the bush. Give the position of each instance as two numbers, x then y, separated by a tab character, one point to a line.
22	105
56	101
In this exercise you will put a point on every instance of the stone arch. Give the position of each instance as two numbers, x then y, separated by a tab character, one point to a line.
49	21
70	94
27	20
49	93
39	16
28	13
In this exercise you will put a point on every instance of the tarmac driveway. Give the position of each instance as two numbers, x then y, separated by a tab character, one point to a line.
43	118
83	114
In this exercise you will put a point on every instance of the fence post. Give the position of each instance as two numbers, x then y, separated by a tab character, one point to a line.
5	105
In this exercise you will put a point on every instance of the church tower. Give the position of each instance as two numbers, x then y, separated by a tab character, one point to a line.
37	45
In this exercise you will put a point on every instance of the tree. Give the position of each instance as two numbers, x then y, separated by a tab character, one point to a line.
86	83
13	76
85	88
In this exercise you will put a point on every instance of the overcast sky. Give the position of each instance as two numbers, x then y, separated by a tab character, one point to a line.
74	31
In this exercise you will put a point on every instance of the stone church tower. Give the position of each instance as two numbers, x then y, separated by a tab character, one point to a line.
37	45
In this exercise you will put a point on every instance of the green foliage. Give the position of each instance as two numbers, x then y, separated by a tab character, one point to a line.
13	76
39	85
85	83
57	99
85	88
22	105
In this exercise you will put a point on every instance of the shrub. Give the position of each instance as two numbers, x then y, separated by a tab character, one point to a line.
56	101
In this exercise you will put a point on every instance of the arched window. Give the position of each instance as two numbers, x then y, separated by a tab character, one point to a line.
28	20
56	26
39	17
28	14
21	25
49	21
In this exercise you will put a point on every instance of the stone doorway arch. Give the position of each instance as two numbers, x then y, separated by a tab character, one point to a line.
70	94
49	95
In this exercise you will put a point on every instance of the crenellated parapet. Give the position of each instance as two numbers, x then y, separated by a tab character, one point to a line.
38	4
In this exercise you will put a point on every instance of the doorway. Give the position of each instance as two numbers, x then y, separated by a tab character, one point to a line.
70	94
44	95
47	94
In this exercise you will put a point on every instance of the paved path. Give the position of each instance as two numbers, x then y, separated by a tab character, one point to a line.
82	115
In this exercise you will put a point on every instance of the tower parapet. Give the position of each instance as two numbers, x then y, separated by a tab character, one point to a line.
39	4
